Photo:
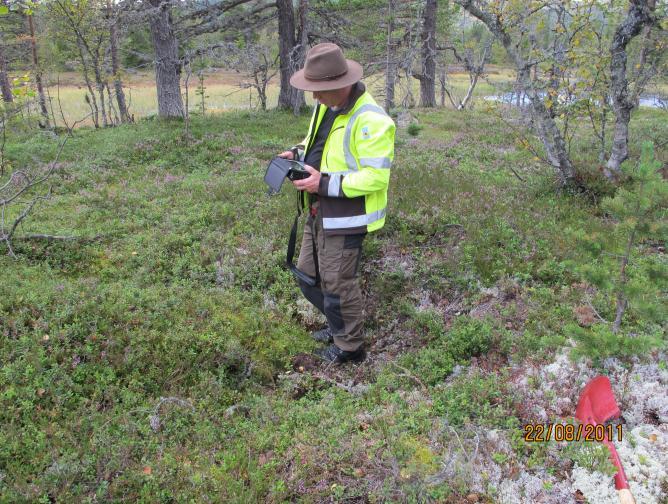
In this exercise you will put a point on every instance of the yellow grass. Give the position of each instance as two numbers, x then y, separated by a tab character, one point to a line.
142	101
223	91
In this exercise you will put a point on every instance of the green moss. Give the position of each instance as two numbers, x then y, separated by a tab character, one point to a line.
183	294
477	399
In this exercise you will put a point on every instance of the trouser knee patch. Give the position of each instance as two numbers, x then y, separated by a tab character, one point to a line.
333	312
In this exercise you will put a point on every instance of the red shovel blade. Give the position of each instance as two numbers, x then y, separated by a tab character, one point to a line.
597	405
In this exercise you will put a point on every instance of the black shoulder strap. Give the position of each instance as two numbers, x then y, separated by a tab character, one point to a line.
292	242
315	251
311	134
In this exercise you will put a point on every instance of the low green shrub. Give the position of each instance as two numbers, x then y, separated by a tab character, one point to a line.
414	129
466	338
477	398
599	342
431	365
590	456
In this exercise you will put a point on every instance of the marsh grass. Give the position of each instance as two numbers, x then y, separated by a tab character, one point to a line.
223	93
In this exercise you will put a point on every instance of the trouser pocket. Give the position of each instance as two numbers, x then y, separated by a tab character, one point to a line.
350	261
306	261
352	254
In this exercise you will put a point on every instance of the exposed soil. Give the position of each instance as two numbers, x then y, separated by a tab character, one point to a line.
542	393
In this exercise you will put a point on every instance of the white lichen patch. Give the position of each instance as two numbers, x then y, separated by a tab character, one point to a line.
645	396
596	487
532	488
551	391
483	462
309	314
644	455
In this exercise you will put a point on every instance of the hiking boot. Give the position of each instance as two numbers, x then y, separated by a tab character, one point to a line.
334	354
323	335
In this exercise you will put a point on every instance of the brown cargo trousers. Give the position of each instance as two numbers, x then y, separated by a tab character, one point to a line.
338	295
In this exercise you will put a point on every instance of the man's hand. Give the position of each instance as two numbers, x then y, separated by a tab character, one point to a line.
310	184
287	154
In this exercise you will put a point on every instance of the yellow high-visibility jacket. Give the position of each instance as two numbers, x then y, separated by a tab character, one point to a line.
355	166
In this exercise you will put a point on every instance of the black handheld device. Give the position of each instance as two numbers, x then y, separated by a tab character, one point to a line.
279	169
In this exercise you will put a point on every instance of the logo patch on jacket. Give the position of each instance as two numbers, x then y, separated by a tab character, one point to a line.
365	133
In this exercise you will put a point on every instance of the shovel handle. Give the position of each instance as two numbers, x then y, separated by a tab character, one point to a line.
621	483
625	496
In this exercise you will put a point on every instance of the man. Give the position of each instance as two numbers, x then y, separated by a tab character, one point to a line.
348	152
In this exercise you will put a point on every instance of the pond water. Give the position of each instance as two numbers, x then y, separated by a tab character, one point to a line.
651	101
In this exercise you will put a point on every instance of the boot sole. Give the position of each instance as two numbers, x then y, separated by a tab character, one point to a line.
320	340
356	360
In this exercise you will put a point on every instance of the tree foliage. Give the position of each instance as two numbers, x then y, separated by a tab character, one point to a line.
629	276
544	41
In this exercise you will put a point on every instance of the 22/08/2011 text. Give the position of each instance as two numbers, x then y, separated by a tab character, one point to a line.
542	433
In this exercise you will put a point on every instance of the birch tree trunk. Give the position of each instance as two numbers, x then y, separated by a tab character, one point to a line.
90	96
167	62
298	56
115	67
638	16
99	82
548	132
390	63
475	71
113	113
286	41
442	79
473	81
38	73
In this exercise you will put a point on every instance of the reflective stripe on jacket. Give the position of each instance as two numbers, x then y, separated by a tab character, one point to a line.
355	165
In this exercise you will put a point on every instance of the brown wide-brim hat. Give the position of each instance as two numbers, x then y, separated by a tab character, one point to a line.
326	69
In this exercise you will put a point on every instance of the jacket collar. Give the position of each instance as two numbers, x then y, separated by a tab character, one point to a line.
357	91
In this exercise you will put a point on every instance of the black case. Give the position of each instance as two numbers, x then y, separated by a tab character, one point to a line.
279	168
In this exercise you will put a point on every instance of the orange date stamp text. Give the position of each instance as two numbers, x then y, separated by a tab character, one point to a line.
543	433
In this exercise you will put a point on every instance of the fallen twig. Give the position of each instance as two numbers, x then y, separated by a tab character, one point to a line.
154	419
595	311
516	174
407	374
49	237
7	236
352	389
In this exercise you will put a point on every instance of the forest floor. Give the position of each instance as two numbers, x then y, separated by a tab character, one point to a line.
164	356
